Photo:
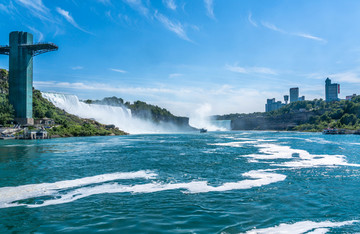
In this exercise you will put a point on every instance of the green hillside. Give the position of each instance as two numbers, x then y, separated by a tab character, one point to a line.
66	125
314	115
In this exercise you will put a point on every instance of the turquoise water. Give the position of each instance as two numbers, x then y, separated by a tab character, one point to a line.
230	182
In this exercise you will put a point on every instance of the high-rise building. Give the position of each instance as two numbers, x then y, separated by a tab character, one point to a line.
286	99
294	94
331	91
302	98
272	105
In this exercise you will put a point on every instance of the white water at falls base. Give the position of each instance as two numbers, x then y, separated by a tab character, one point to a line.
119	116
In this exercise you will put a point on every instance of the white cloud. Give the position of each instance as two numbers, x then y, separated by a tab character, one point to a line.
184	101
175	27
250	70
118	70
308	36
346	77
170	4
251	20
36	8
77	68
7	8
209	5
139	6
173	75
70	19
272	27
303	35
36	5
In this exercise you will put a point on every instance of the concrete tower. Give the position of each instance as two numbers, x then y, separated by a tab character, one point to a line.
286	99
21	51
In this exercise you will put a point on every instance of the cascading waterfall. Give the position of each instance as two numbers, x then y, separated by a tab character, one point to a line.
119	116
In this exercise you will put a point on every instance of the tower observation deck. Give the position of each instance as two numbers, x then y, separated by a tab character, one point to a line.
21	51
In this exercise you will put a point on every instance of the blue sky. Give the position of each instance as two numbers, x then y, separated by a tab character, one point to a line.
212	55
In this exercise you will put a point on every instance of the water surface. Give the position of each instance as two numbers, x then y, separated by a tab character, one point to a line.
230	182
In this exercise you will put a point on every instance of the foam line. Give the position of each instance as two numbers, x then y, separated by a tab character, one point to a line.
234	144
299	158
301	227
257	178
11	194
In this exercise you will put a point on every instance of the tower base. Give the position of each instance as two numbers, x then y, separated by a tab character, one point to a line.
25	121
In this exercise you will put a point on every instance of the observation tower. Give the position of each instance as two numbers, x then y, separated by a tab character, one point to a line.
21	51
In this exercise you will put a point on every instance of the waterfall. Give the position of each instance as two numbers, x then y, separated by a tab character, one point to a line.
119	116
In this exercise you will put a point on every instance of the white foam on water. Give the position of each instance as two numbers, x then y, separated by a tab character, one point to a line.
299	158
319	140
301	227
257	178
319	231
272	151
234	144
10	194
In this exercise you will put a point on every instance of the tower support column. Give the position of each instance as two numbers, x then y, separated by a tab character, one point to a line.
21	76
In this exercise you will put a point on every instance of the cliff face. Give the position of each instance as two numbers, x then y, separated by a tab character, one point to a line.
264	122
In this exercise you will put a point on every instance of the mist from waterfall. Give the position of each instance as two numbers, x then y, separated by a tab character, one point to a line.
119	116
200	118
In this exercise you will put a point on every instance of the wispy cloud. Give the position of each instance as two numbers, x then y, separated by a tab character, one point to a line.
350	76
251	20
37	32
36	5
250	70
100	87
308	36
175	27
223	98
77	68
36	8
272	27
118	70
8	9
209	5
138	6
303	35
173	75
70	19
346	77
170	4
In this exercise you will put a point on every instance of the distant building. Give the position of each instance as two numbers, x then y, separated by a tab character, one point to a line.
271	105
350	97
294	94
286	99
302	98
331	91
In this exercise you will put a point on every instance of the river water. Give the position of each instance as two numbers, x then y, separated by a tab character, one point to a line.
229	182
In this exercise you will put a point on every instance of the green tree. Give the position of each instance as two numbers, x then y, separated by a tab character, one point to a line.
348	119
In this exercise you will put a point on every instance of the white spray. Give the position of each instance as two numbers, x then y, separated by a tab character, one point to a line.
200	119
119	116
